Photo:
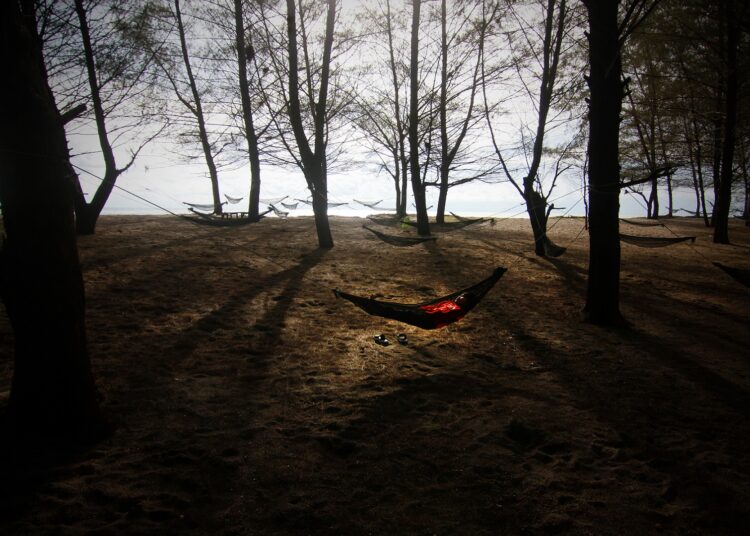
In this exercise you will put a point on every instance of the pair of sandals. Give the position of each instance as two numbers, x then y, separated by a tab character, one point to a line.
382	340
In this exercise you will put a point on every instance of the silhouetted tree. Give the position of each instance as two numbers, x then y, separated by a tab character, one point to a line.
125	69
607	34
52	391
313	160
417	184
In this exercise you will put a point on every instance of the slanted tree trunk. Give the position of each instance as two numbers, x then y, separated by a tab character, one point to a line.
52	391
313	160
197	111
605	85
423	224
724	193
87	214
245	54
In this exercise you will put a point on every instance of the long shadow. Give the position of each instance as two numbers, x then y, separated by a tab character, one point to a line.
227	313
135	252
573	274
729	393
23	473
645	430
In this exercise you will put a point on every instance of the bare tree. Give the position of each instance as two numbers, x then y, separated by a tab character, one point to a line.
193	104
313	158
466	39
123	68
417	183
380	112
556	19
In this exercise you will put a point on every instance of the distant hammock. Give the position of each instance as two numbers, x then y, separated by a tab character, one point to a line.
233	200
551	249
202	207
369	204
432	314
654	241
272	201
330	205
643	223
290	206
385	219
449	225
218	221
401	241
279	213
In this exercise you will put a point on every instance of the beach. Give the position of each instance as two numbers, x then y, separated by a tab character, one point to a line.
245	398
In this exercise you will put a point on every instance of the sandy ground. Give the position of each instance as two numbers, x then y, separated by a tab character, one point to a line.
246	399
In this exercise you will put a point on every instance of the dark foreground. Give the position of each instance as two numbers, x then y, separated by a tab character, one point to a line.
247	400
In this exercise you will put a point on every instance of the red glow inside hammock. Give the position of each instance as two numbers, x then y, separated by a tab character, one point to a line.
443	307
446	311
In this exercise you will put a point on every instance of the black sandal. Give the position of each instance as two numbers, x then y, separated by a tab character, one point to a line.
401	338
381	340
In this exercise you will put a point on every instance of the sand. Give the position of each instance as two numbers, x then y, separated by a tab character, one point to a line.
246	399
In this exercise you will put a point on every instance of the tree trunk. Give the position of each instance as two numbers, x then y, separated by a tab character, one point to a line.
52	391
314	165
423	224
245	54
198	113
724	198
443	112
401	164
536	207
603	290
87	214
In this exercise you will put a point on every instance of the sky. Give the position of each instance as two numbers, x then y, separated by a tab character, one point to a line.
161	182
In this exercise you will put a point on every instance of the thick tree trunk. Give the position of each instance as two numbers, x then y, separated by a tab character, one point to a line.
536	208
603	290
245	55
423	224
52	391
724	197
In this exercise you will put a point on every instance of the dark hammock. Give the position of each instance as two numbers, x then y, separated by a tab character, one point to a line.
463	218
654	241
643	223
401	241
449	225
432	314
551	249
385	219
738	274
218	221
